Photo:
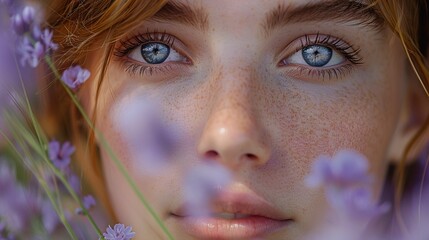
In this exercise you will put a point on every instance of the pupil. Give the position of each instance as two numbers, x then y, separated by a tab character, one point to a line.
317	55
155	53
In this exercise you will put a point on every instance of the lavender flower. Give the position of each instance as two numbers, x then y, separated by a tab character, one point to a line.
50	218
347	186
148	138
346	168
74	182
88	203
19	205
60	155
22	22
13	200
34	43
75	76
46	38
202	184
4	235
30	53
119	232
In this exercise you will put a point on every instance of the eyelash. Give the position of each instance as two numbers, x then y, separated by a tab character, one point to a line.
348	51
125	48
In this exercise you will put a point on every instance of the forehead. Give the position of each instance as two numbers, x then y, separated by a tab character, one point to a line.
268	14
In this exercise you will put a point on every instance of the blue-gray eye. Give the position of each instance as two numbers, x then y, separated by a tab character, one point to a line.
317	55
155	53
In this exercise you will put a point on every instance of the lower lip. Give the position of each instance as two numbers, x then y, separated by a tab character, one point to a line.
219	228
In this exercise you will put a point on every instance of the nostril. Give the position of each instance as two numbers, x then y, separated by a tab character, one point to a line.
211	154
251	156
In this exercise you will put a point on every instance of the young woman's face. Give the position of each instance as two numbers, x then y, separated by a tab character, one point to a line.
261	87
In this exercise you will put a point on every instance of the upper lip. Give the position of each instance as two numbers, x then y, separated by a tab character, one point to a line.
238	203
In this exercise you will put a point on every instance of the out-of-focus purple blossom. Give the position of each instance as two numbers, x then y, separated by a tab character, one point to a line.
202	185
28	15
4	234
23	21
30	53
148	138
357	203
75	76
119	232
50	218
74	182
347	185
34	43
347	168
19	205
13	200
46	37
59	154
88	203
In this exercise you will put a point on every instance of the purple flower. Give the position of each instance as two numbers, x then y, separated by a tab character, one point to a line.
346	182
119	232
88	203
148	138
4	235
60	154
22	22
202	184
75	76
13	200
50	218
74	182
30	53
46	38
346	168
360	204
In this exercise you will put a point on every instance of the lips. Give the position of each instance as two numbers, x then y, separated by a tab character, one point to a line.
233	216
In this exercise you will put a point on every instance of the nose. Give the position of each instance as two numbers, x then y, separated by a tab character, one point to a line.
233	134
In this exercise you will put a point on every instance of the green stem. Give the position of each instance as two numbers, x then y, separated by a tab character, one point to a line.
110	152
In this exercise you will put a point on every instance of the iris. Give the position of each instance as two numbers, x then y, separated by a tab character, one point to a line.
317	55
155	53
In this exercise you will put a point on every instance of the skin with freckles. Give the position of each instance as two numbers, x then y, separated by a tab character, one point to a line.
240	93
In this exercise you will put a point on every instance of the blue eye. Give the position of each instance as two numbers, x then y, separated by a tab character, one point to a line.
155	53
317	55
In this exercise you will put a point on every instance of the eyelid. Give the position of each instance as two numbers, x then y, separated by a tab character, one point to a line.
337	44
130	43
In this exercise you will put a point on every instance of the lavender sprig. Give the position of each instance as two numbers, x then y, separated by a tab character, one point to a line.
119	232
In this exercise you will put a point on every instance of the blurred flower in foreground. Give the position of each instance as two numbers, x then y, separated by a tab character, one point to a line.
19	205
33	43
75	76
348	191
4	234
202	184
148	139
119	232
60	154
88	203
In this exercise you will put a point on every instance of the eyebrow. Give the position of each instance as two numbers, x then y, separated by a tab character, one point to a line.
342	11
174	11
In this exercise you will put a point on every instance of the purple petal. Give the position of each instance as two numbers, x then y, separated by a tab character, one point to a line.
350	167
202	184
320	173
75	76
88	201
28	14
